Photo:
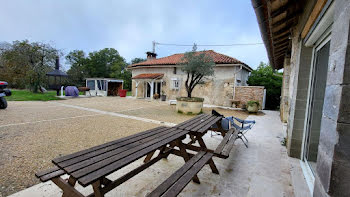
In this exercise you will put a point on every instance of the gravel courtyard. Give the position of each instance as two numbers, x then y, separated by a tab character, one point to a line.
33	133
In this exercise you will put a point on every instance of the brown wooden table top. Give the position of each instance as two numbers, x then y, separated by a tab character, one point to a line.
200	123
94	163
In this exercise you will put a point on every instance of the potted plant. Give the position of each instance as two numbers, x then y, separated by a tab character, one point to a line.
197	65
253	106
163	96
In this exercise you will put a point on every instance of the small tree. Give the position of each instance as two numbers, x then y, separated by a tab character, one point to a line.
197	65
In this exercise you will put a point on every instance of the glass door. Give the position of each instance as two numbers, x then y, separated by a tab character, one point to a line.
315	105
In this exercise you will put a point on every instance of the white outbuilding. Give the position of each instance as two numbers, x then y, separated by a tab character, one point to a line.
104	86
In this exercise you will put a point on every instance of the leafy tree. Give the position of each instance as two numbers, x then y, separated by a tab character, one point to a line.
26	64
102	63
265	76
77	72
196	65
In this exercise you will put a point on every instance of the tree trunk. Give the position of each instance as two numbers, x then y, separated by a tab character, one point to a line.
189	93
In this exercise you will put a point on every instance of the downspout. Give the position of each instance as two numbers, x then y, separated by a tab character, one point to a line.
234	84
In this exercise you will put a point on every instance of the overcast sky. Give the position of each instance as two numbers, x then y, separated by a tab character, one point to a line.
130	26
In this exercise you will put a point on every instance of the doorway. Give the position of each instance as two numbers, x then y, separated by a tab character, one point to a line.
318	79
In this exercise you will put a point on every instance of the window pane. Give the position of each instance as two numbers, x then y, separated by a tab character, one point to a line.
91	84
316	105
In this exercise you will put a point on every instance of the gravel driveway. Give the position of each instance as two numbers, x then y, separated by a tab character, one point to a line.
33	133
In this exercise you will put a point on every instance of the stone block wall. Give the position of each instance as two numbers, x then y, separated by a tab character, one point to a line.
249	93
333	161
284	106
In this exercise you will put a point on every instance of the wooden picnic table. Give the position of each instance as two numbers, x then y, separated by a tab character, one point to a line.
91	166
199	126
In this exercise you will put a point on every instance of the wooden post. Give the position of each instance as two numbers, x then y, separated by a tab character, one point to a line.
152	88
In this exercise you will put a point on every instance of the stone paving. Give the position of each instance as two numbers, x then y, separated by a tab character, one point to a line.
263	169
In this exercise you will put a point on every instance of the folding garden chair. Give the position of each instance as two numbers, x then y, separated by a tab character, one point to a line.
245	126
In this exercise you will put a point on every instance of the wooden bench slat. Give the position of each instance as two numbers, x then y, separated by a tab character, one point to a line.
186	178
50	170
66	157
135	141
230	144
193	120
224	142
117	153
200	122
208	125
52	175
106	170
176	175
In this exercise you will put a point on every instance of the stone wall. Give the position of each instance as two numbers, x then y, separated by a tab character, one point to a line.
284	106
249	93
333	161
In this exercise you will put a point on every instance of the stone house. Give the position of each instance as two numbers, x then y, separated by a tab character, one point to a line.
310	41
165	76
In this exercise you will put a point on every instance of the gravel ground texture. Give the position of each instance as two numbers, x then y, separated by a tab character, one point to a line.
33	133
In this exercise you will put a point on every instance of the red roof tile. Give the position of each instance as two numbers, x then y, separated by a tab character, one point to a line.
176	58
149	76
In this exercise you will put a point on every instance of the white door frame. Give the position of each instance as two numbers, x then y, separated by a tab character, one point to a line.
308	172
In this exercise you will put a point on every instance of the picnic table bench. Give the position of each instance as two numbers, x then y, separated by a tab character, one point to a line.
91	166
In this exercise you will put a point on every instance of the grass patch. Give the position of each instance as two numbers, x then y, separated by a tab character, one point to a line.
129	93
26	95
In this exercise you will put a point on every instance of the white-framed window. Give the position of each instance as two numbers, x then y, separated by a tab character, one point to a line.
175	85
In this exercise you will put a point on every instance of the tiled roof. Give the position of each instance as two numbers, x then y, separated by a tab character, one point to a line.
149	76
176	58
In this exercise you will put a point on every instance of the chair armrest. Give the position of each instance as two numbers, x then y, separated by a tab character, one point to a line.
244	121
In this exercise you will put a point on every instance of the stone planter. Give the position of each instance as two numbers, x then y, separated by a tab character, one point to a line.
253	108
187	105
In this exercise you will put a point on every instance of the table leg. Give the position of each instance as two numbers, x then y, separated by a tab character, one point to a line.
97	189
67	187
149	157
186	157
193	139
211	161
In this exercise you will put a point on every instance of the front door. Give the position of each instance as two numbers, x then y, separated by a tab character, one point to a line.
92	85
315	104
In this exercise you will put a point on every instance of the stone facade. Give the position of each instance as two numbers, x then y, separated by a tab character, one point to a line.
316	90
249	93
332	145
333	162
284	107
217	89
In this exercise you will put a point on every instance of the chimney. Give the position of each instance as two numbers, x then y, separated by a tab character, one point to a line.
57	65
151	55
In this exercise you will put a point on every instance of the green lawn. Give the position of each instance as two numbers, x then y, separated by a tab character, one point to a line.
26	95
129	93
